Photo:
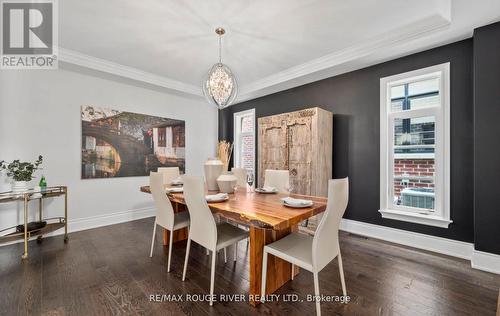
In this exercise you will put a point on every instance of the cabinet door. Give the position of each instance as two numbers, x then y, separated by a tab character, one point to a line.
272	146
299	154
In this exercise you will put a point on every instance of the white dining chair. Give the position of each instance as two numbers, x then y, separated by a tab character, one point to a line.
165	216
169	174
241	175
203	229
279	179
314	253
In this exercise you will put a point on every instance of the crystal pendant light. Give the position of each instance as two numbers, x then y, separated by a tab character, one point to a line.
220	87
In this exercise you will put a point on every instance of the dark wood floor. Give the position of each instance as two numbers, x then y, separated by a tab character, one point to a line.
107	271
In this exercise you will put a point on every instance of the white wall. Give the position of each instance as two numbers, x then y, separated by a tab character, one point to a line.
40	114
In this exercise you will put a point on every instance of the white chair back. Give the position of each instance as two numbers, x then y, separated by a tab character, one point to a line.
202	229
326	239
279	179
164	209
169	174
241	175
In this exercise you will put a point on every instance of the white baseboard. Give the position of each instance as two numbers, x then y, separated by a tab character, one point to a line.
479	260
109	219
486	261
79	224
445	246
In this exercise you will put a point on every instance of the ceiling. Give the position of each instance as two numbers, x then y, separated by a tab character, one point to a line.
269	45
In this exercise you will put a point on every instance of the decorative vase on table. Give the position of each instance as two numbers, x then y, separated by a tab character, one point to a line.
21	172
19	186
213	169
226	182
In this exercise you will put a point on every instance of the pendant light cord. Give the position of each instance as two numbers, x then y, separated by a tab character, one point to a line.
220	50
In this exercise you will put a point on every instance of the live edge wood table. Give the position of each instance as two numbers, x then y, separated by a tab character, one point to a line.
269	221
53	223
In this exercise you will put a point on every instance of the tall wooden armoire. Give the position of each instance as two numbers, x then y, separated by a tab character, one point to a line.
300	142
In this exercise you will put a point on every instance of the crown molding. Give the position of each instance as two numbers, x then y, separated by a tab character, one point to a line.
343	60
94	63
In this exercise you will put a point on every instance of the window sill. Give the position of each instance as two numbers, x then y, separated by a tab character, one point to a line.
430	220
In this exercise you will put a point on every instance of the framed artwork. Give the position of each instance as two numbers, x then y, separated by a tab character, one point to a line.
125	144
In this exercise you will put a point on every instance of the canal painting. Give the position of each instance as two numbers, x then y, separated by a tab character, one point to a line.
124	144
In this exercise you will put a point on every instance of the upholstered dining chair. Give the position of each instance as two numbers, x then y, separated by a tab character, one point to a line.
202	228
165	216
314	253
279	179
241	175
169	173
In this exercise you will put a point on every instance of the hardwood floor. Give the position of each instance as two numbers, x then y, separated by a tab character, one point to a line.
107	271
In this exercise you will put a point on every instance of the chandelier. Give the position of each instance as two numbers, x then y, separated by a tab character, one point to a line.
220	87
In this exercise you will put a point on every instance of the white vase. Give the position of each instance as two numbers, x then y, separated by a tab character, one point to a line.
19	186
213	169
227	182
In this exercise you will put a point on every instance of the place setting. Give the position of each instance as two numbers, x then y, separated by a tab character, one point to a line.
219	197
266	190
176	189
296	203
176	182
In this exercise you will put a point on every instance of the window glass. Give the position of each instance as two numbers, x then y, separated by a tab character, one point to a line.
415	95
414	177
247	124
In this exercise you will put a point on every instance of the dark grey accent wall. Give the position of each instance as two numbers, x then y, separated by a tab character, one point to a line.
487	133
354	99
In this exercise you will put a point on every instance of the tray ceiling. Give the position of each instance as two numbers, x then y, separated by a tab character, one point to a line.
270	45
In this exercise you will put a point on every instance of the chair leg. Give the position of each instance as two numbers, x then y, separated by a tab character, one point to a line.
212	278
316	293
225	255
341	271
293	266
153	240
186	260
235	251
264	277
171	242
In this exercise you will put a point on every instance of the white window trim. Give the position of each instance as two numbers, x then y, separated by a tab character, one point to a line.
441	216
237	141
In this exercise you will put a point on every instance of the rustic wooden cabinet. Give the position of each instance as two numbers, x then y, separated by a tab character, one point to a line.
300	142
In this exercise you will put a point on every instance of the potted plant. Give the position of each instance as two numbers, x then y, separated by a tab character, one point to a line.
21	172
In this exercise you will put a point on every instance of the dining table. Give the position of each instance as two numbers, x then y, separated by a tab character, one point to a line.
267	219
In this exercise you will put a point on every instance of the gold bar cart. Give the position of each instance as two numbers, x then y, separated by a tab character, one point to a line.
53	223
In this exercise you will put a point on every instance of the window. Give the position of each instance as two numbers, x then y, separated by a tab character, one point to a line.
414	146
244	139
162	141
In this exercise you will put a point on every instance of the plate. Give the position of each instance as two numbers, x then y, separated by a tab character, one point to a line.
259	190
217	201
298	205
175	190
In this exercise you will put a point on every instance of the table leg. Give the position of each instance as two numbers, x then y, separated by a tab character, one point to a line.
40	207
40	216
25	254
65	214
278	270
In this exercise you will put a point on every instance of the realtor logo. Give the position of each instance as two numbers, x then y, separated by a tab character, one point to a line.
29	34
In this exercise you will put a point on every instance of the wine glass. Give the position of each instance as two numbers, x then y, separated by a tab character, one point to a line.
289	188
250	179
